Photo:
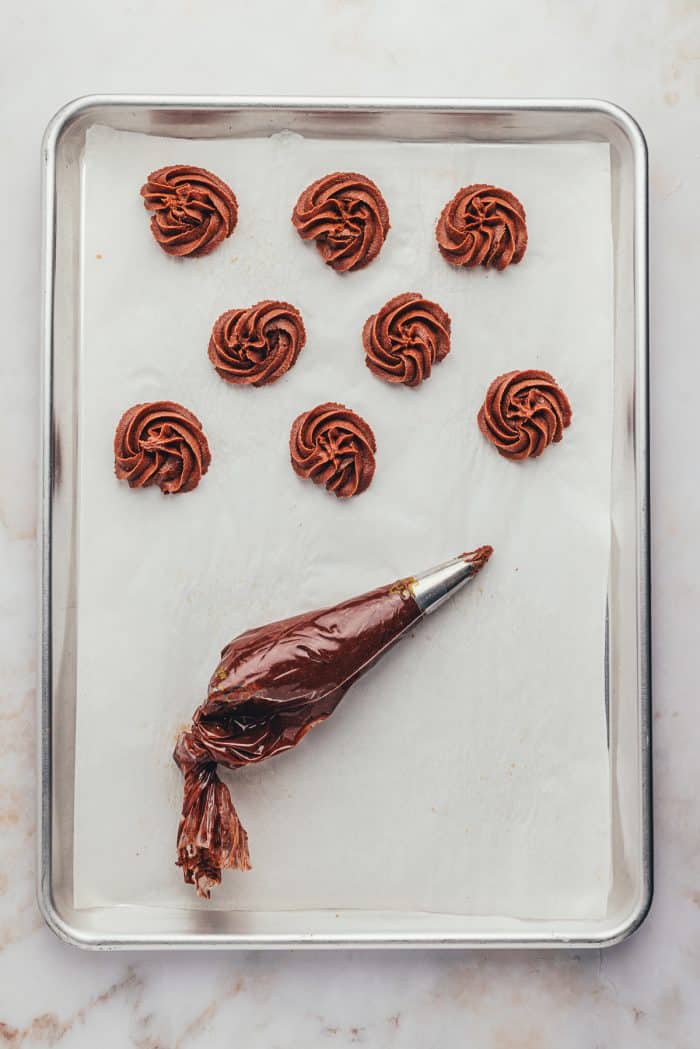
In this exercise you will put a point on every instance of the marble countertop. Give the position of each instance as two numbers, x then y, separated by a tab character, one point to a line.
644	992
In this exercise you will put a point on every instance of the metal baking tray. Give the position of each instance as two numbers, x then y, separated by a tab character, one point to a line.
627	650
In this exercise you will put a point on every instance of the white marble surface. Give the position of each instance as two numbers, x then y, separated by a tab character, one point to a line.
643	55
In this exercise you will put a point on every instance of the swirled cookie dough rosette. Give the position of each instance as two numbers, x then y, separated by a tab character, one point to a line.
482	226
334	447
405	338
523	413
256	345
193	209
347	217
161	443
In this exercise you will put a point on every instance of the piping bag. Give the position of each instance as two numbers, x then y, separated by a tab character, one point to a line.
272	685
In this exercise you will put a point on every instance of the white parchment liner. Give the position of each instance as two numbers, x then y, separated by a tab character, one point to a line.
468	773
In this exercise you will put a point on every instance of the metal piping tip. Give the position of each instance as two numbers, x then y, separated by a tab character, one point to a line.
432	588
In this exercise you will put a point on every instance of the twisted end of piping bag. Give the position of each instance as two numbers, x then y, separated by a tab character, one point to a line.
274	683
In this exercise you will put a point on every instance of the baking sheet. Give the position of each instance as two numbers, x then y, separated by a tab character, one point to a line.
469	772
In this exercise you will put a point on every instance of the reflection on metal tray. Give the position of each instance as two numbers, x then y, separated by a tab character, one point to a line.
627	643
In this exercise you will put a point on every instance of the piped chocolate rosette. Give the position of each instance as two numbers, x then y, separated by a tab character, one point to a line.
407	336
161	443
275	683
255	346
333	446
523	413
482	226
193	209
347	216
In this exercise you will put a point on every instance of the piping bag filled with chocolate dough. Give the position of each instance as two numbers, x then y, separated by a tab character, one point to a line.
276	682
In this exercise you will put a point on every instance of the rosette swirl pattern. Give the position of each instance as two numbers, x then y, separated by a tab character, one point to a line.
333	446
482	226
193	210
406	338
347	216
524	412
161	443
257	345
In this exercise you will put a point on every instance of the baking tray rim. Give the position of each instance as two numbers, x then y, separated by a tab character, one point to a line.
634	136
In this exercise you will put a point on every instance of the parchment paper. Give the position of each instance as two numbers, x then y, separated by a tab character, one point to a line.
468	773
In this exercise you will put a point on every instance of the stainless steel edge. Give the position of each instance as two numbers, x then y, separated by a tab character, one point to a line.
44	699
642	446
635	137
81	107
84	103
